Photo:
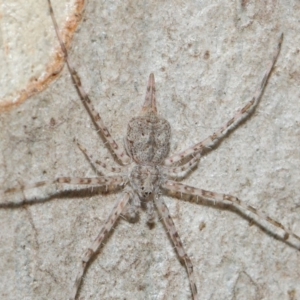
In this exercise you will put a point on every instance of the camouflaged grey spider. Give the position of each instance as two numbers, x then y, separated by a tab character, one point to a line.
147	146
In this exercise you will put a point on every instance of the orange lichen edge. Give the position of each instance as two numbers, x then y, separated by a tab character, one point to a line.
54	68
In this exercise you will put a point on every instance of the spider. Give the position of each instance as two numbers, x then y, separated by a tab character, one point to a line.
152	172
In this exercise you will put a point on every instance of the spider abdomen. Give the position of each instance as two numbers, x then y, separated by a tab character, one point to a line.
148	139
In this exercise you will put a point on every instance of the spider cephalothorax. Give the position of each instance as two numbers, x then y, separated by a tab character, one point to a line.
146	180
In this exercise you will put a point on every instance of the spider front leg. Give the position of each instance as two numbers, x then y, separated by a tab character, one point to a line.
184	169
111	220
233	122
165	214
94	162
29	193
97	120
174	186
132	210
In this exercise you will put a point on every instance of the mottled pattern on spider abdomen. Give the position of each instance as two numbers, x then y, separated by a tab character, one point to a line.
148	139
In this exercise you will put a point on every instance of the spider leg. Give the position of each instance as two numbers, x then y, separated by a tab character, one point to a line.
111	220
165	214
233	122
97	120
233	201
28	193
94	162
92	181
183	170
133	208
150	212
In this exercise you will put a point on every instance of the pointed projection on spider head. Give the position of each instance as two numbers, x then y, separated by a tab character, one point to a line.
150	101
148	135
